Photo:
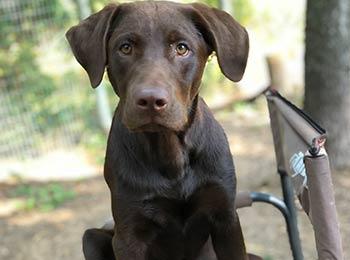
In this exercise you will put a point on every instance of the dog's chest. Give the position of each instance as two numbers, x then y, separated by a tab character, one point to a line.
170	170
171	157
147	165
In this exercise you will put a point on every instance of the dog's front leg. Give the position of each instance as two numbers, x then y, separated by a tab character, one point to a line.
197	232
227	237
212	215
97	244
149	237
134	250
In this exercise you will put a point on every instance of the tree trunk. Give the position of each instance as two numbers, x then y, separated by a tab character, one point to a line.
327	74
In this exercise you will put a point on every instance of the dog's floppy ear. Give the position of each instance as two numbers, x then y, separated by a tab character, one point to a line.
226	37
88	42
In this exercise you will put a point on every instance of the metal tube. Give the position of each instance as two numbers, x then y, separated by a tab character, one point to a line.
292	225
268	198
282	206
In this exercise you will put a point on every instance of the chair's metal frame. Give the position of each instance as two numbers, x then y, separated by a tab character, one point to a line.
324	220
287	208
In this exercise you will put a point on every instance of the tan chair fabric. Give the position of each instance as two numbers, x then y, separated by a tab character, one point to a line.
323	214
293	134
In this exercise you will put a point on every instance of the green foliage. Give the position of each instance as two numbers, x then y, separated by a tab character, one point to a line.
43	198
23	19
20	71
97	5
268	257
242	10
95	144
212	3
34	85
20	34
37	90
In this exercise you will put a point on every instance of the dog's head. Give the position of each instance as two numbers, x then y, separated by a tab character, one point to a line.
155	53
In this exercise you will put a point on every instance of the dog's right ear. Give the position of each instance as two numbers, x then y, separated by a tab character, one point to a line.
225	36
88	42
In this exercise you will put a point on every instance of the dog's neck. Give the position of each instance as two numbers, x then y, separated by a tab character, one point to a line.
172	148
169	150
191	114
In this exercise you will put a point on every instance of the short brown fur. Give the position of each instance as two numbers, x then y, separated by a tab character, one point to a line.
168	164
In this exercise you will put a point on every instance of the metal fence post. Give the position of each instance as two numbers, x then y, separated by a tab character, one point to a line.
226	5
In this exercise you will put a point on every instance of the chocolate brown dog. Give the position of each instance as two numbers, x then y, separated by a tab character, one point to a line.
168	164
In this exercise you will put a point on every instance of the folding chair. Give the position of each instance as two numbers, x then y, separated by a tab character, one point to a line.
303	167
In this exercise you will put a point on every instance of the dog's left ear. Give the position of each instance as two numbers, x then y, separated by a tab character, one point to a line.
226	37
88	42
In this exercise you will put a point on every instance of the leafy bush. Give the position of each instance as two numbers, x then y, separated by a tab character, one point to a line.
43	198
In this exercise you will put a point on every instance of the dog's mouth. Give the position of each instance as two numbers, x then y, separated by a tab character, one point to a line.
151	128
154	126
147	122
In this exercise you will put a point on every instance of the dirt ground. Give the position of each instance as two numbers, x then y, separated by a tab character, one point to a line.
57	234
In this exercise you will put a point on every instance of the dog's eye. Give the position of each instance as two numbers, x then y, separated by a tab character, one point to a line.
182	49
125	48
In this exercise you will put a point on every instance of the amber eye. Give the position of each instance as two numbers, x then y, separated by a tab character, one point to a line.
182	49
125	48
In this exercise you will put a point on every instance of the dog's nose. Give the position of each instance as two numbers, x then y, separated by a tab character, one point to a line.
152	99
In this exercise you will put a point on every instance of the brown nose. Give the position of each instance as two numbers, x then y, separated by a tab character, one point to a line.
152	99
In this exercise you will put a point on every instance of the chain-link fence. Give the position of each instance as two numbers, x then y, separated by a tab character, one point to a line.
42	98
